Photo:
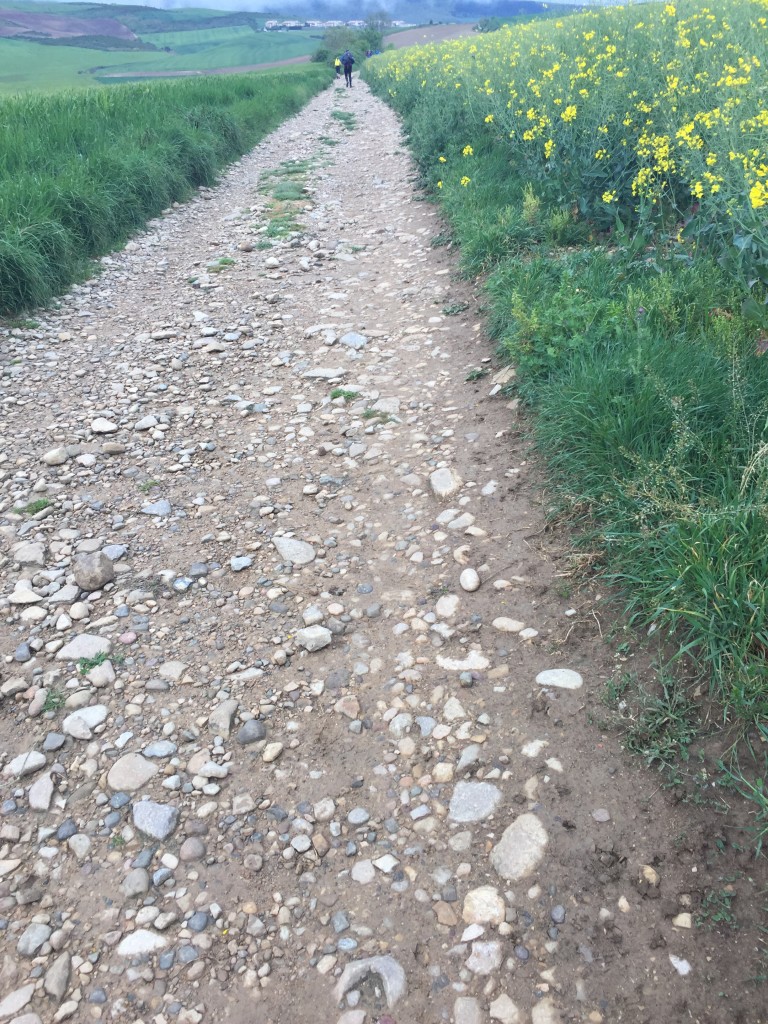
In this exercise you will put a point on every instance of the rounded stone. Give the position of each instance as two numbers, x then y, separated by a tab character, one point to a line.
469	580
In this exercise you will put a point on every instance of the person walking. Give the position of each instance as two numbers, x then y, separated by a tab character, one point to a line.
337	65
347	61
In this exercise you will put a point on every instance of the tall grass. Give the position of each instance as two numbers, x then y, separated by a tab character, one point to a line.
609	172
80	172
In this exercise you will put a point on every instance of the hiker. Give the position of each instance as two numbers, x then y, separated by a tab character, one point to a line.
337	65
347	60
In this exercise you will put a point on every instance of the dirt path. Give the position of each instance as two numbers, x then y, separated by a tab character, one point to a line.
313	729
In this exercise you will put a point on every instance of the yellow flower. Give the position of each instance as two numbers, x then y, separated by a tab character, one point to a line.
569	114
609	197
758	195
465	181
549	148
489	119
467	151
441	159
439	184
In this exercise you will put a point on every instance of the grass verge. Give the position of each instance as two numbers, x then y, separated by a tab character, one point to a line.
628	287
81	172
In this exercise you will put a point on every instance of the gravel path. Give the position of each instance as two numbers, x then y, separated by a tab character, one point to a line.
293	699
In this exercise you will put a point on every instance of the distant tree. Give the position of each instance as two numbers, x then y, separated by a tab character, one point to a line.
489	25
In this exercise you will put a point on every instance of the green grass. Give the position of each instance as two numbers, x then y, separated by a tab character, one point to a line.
636	321
80	172
347	119
345	393
34	507
54	700
26	65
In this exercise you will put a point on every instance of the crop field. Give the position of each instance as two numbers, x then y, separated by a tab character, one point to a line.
80	172
608	171
147	42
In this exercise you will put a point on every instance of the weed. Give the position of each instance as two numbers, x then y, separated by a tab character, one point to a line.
34	507
54	700
148	485
476	374
442	238
326	141
455	308
345	393
615	688
117	842
22	323
755	790
715	910
85	665
347	120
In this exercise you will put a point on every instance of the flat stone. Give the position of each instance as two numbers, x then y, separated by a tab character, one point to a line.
393	981
32	939
103	426
504	1010
29	554
154	819
85	645
475	661
40	793
473	801
353	340
240	562
363	872
93	571
130	773
141	943
505	625
520	848
81	723
314	638
55	457
162	507
192	849
484	905
564	678
220	719
297	552
325	373
445	482
25	764
16	1000
466	1010
57	977
485	958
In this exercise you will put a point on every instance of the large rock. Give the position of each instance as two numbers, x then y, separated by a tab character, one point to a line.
86	645
130	772
57	977
297	552
154	819
473	801
520	848
445	482
94	571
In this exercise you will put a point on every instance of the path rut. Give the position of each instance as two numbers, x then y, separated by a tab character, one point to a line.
338	702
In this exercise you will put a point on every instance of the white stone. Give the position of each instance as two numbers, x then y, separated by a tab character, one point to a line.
485	958
445	482
25	764
86	645
484	905
474	662
469	580
564	678
81	723
297	552
473	801
130	772
314	638
520	848
141	942
103	426
447	606
508	625
504	1010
